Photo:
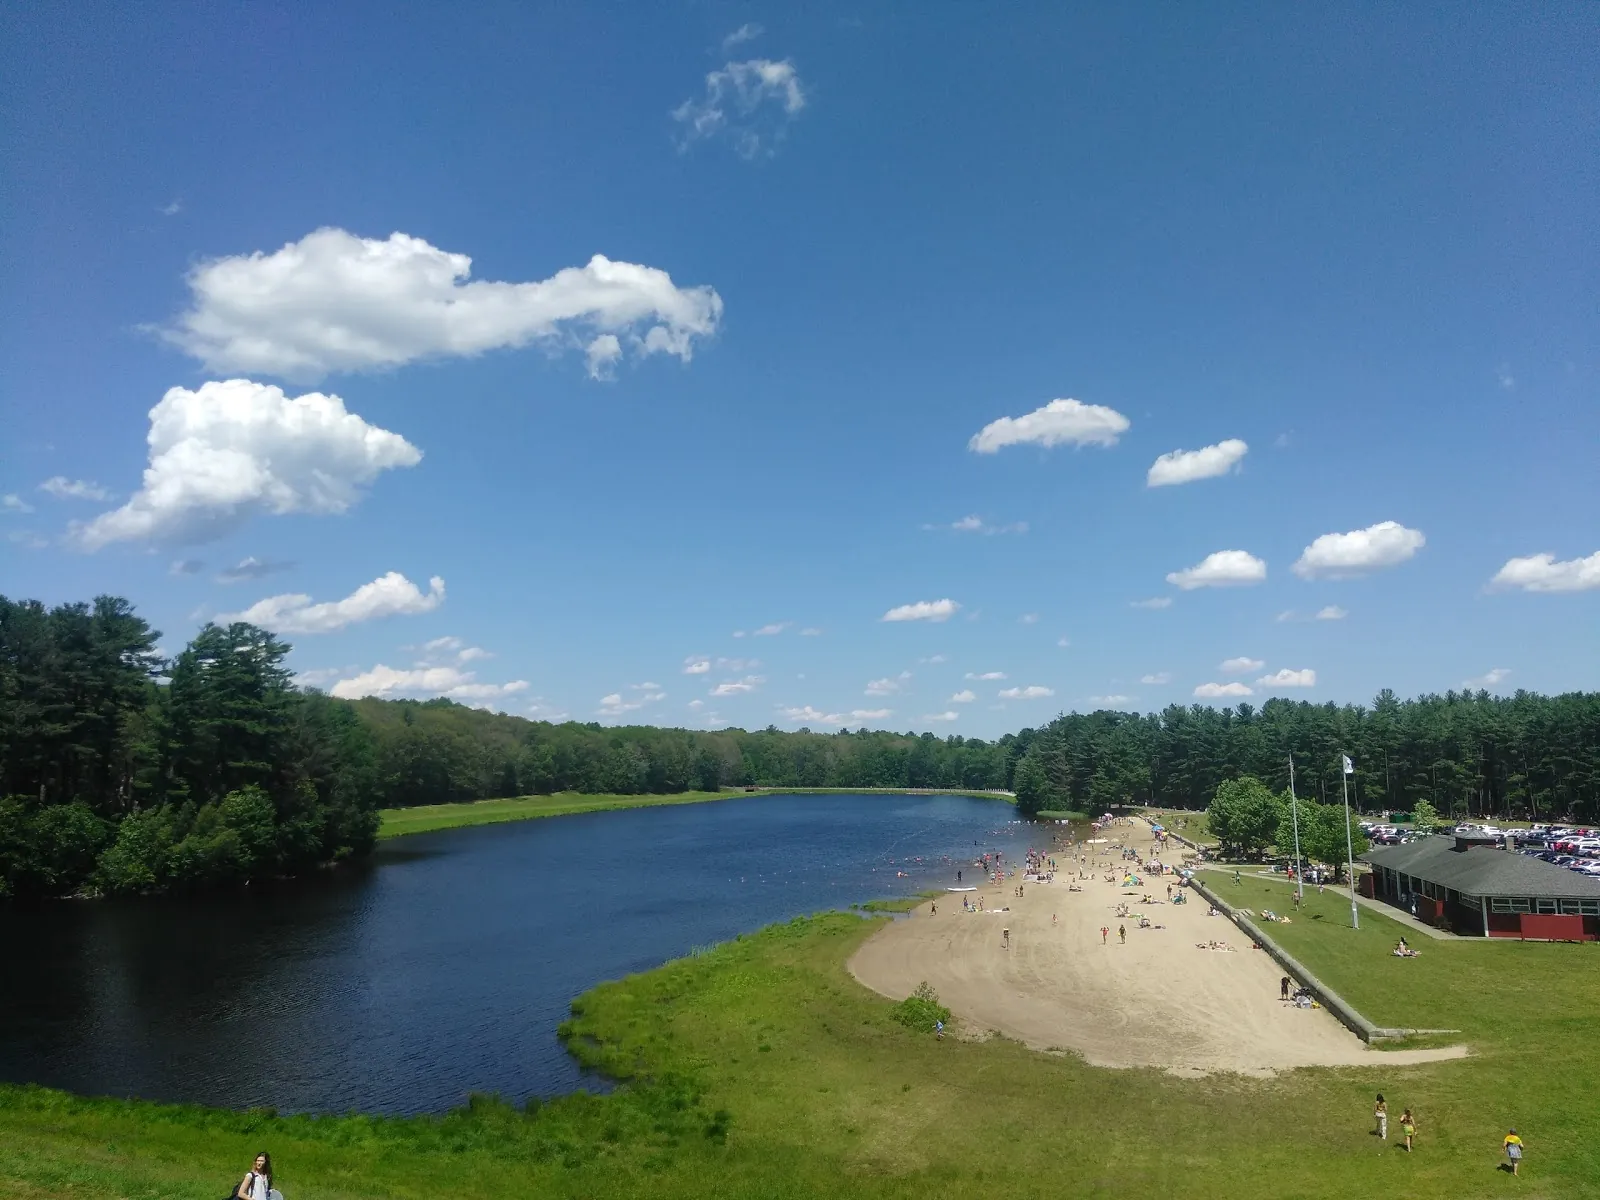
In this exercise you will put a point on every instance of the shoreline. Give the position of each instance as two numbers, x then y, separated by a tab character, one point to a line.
432	818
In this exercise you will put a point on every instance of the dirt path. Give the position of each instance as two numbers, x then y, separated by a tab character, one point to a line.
1155	1001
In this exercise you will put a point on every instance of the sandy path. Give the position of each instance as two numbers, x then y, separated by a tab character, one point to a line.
1155	1001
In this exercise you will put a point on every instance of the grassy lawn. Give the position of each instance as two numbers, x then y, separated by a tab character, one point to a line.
428	817
762	1069
1191	823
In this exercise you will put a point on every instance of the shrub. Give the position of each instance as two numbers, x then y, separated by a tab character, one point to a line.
921	1010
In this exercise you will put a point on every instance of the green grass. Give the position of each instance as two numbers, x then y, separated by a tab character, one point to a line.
899	904
427	818
760	1068
1062	814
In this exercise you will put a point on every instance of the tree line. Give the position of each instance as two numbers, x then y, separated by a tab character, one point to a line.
125	771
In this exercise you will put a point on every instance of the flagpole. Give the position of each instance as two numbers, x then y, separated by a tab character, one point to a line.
1347	770
1294	816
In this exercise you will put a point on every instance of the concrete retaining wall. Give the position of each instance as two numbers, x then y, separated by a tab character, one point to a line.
1326	996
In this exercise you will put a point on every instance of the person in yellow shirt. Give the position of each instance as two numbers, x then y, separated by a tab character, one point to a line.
1513	1146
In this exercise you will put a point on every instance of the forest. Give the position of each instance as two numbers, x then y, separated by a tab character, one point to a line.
122	771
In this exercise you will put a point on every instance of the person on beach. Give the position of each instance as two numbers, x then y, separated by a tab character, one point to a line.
1513	1148
1381	1111
933	910
1105	932
1122	934
257	1185
1005	938
1408	1126
1283	988
938	1030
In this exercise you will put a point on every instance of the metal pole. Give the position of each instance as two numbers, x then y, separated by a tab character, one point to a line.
1349	845
1294	816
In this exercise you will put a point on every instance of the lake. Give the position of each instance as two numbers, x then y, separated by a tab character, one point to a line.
444	965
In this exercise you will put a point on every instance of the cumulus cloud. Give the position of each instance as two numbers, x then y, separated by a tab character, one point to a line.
986	675
923	610
747	32
944	716
1542	573
63	488
964	696
602	355
1157	679
807	715
752	103
737	687
1061	422
1209	691
1488	679
1238	666
883	687
1153	602
773	629
251	568
1342	555
1031	692
1225	568
387	596
1109	701
11	502
976	524
1287	678
449	682
452	649
1029	619
337	302
229	450
640	695
1185	466
695	665
1331	612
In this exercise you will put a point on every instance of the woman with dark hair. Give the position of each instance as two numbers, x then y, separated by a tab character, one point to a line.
258	1184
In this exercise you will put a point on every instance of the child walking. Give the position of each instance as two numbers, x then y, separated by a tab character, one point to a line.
1408	1126
1513	1146
1381	1111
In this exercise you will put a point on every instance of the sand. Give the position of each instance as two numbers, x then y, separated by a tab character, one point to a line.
1155	1001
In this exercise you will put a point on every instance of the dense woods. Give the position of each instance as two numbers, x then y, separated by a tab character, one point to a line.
121	771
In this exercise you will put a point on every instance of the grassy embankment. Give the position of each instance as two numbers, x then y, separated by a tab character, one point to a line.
762	1069
431	817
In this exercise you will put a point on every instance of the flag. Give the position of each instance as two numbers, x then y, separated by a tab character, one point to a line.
1349	767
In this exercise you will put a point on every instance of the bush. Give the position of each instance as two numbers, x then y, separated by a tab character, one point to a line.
921	1010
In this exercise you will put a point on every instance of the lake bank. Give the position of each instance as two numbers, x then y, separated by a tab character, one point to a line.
397	822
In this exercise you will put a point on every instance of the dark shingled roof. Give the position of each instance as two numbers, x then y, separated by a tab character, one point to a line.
1482	870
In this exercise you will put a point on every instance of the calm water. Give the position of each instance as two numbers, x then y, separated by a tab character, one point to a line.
445	965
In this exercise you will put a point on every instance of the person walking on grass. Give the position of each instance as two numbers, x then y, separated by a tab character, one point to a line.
1408	1126
1513	1148
1381	1111
257	1185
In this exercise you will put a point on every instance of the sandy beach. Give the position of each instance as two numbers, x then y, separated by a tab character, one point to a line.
1157	1000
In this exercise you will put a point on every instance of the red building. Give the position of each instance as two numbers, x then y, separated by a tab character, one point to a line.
1474	886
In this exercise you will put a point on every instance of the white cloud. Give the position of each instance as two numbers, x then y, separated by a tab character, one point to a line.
615	705
232	449
1487	680
1061	422
318	676
976	524
932	660
602	355
1542	573
1287	678
807	715
452	648
923	610
1109	701
387	596
1157	679
944	716
1213	690
1063	642
449	682
1153	602
747	32
1225	568
986	675
1186	466
738	633
738	664
695	665
811	631
337	302
1504	377
772	630
883	687
1331	612
1342	555
1237	666
63	488
964	696
1029	619
737	687
697	705
11	502
171	209
250	568
1031	692
753	102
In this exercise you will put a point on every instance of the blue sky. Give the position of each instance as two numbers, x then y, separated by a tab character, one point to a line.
839	245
